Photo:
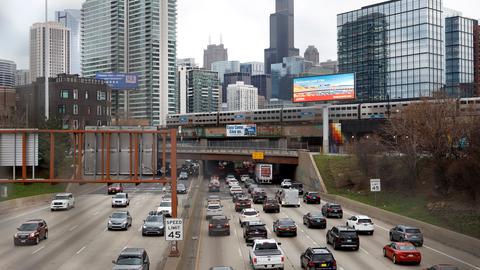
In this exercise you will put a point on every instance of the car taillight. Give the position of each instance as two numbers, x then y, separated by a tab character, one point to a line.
210	225
283	259
334	263
311	264
329	209
255	259
227	225
309	196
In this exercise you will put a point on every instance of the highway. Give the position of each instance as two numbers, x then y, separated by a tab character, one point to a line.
78	238
232	250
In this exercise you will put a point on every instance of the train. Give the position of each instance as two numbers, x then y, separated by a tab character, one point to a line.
298	115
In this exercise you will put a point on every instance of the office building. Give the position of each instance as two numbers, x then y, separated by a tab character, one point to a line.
281	34
242	97
252	68
223	67
8	115
71	18
58	49
311	54
214	53
182	84
114	42
232	78
264	85
476	56
75	101
203	91
22	77
186	62
7	73
284	73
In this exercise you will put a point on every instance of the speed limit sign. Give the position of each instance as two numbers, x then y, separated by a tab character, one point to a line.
375	185
173	229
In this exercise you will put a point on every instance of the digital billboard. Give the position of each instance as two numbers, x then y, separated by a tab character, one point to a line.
324	88
119	81
241	130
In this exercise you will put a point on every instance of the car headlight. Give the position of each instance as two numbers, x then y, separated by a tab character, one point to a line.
32	234
109	222
144	226
124	222
16	235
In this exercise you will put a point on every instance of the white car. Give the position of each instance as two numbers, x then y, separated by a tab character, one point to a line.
361	224
233	183
62	201
230	178
120	199
248	215
236	189
214	209
244	177
286	183
183	176
165	207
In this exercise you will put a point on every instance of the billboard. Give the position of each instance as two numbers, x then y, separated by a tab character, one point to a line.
119	81
248	130
324	88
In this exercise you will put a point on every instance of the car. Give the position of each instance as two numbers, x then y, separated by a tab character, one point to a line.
442	267
62	201
318	258
167	188
120	199
266	254
229	178
31	232
220	268
218	225
311	197
214	186
254	230
251	187
247	215
271	205
213	199
361	224
167	197
132	258
233	183
343	237
181	189
402	233
235	196
236	189
153	225
258	195
402	252
286	183
297	186
332	210
214	209
119	220
183	175
114	188
249	182
285	226
244	177
242	203
165	207
315	219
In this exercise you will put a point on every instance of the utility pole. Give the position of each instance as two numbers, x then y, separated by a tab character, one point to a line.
47	60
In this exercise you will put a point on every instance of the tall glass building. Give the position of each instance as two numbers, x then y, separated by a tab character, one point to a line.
71	18
7	73
395	48
203	91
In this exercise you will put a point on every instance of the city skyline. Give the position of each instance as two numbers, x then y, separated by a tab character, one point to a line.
252	23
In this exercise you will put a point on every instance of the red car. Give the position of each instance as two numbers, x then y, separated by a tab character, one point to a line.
114	189
404	252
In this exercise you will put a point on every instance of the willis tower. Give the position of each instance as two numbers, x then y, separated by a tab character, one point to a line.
281	34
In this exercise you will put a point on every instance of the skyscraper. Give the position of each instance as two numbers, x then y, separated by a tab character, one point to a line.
71	18
214	53
232	78
223	67
311	54
252	68
7	73
22	77
59	49
476	56
203	91
263	83
281	34
242	97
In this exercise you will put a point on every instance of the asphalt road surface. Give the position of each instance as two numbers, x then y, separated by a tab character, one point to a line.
232	250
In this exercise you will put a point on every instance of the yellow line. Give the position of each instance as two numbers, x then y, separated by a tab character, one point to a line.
200	236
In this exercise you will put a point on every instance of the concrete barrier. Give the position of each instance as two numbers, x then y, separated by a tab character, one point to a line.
442	235
307	172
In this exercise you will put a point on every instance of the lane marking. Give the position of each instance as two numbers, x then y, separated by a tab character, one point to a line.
364	251
96	213
451	257
37	250
240	252
78	252
73	228
200	237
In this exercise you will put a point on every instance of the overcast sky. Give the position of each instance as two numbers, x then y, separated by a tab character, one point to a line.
244	25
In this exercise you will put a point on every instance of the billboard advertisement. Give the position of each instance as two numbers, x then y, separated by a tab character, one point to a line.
241	130
324	88
119	81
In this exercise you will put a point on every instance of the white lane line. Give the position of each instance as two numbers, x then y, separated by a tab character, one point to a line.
364	251
96	213
105	229
37	250
73	228
341	268
240	252
80	250
451	257
139	228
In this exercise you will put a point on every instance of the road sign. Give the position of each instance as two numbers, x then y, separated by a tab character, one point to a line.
173	229
258	155
375	185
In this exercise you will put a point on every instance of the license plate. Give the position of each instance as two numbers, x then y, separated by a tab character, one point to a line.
323	265
219	226
23	241
410	255
349	240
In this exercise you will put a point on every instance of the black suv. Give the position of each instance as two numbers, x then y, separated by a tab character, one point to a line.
254	230
318	258
332	210
218	225
258	195
402	233
31	232
315	219
343	236
242	203
271	205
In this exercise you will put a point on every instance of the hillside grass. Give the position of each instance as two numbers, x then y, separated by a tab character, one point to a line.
19	190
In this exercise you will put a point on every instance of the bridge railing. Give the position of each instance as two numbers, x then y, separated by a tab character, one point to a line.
235	150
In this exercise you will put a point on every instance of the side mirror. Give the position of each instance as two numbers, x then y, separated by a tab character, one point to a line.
18	229
250	244
113	261
279	243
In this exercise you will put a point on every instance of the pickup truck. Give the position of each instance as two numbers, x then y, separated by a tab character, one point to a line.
266	254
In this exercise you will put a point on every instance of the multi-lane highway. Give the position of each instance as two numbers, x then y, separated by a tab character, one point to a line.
232	250
78	238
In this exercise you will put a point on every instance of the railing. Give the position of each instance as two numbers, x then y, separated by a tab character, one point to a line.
236	150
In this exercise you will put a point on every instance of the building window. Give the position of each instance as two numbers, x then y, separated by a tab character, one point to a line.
75	109
75	93
99	110
61	109
75	124
101	95
64	94
99	122
88	110
86	94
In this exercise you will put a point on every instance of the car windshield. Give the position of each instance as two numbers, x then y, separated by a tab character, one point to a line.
215	206
316	215
365	220
129	260
28	227
119	215
61	197
120	196
406	248
322	257
165	204
218	220
180	186
271	201
334	206
263	246
257	227
412	231
250	213
313	193
286	222
154	219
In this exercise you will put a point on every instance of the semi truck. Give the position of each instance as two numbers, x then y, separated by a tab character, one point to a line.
264	173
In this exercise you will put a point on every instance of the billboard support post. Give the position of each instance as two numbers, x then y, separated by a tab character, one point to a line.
325	129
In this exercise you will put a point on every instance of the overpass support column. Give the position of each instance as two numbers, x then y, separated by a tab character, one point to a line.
325	130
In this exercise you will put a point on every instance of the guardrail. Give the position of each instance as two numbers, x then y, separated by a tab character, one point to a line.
234	150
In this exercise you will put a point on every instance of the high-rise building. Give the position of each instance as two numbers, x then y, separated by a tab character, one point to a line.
476	56
138	37
281	34
203	91
182	84
59	49
242	97
311	54
223	67
283	74
252	68
232	78
22	77
459	56
214	53
71	18
186	62
7	73
264	85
